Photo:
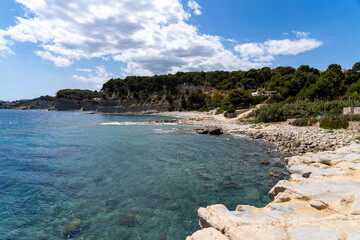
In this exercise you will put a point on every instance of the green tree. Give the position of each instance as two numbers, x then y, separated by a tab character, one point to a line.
196	100
356	67
239	98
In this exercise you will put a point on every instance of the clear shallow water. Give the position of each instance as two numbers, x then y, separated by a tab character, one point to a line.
62	169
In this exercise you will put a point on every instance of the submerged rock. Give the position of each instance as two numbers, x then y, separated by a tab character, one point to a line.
229	185
173	206
227	178
111	203
163	237
264	163
273	175
72	228
129	220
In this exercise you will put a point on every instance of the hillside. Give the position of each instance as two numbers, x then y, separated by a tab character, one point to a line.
282	87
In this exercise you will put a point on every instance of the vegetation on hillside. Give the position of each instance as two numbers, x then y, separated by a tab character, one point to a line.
78	94
302	92
295	93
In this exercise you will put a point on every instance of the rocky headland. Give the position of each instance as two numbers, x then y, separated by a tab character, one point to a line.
321	200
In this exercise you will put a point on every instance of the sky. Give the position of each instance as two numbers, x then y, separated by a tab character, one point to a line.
48	45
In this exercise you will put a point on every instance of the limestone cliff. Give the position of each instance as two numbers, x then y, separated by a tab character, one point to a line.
62	104
143	102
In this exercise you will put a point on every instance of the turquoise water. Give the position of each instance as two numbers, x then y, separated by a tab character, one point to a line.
86	176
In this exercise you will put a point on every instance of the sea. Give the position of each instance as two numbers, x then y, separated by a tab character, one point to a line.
76	175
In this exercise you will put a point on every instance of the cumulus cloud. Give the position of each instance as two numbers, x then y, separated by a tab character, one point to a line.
194	6
148	37
100	77
301	34
265	52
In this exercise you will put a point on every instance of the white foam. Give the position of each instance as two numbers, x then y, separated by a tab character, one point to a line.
133	123
124	123
166	130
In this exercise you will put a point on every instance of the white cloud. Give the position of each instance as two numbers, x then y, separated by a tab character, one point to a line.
231	40
301	34
265	52
99	79
291	47
249	50
58	60
194	6
83	69
4	49
149	37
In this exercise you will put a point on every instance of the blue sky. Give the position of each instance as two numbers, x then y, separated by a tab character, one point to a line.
50	45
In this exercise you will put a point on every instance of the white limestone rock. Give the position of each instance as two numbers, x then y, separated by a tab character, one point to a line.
207	234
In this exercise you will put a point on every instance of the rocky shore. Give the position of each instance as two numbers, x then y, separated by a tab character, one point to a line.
321	200
298	140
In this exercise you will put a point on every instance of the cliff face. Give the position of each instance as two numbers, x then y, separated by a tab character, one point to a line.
62	104
40	104
144	103
127	101
133	108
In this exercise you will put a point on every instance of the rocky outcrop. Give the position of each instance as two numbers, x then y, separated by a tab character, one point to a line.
320	201
210	131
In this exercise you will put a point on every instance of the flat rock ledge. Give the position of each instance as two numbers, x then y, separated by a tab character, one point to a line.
321	201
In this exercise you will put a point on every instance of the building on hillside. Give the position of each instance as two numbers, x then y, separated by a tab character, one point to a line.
264	93
351	110
349	71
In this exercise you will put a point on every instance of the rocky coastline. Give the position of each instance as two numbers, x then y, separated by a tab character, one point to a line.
299	140
321	200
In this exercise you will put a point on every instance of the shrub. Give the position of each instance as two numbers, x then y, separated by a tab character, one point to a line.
335	111
325	162
221	110
301	109
231	109
334	124
355	117
271	113
301	122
